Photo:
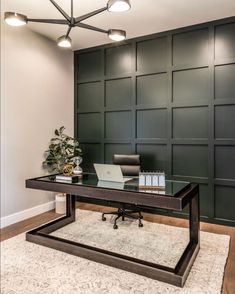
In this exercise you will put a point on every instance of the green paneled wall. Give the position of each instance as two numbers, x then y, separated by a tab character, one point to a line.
169	97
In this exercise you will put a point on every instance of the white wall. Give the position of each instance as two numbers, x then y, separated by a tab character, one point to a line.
36	98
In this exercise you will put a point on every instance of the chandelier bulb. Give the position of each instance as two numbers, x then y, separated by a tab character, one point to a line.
118	5
15	19
117	35
64	41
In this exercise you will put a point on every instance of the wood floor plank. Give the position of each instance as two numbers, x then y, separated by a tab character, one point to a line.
26	225
229	275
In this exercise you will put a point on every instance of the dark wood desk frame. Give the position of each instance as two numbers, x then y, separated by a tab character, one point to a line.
175	276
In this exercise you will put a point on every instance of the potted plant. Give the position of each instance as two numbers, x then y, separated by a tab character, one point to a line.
62	150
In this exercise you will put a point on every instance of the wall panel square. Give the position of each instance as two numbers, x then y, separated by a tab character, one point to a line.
191	85
225	202
111	149
205	200
89	125
90	96
152	123
191	47
92	153
190	122
90	65
225	162
225	81
117	125
206	208
152	89
153	157
118	93
190	160
225	41
119	60
151	55
225	122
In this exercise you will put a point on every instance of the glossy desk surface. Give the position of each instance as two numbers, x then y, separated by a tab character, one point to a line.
176	195
172	188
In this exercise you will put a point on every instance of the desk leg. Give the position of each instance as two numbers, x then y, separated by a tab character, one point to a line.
70	206
186	261
48	228
194	219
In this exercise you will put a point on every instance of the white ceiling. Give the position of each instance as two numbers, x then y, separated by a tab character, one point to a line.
145	17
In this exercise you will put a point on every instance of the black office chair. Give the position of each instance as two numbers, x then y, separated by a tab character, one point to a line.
130	166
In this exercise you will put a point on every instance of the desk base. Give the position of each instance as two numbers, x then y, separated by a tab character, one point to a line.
175	276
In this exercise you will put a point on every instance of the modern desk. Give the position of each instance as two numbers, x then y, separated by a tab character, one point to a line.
176	196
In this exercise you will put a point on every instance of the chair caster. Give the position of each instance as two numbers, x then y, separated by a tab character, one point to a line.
141	225
103	218
115	227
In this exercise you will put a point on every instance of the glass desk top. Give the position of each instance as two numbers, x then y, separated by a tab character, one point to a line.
172	188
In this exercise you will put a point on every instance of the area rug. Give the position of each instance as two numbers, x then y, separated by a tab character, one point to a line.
30	268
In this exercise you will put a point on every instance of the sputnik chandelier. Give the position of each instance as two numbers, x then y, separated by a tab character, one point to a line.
16	19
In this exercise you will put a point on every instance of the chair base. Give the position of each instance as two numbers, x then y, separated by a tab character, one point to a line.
123	213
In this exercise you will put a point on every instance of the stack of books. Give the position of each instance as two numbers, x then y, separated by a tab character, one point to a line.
152	180
67	179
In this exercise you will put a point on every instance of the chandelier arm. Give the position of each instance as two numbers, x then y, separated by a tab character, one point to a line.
53	21
68	32
88	27
90	14
60	10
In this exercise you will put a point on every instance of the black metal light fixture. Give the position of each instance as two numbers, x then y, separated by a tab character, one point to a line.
16	19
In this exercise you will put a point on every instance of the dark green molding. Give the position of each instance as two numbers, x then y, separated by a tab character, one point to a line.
170	97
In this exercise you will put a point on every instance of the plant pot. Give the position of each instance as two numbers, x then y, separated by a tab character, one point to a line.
60	203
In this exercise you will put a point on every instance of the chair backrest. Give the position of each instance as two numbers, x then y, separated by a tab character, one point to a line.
130	164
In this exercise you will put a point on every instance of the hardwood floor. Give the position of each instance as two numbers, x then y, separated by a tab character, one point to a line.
28	224
229	276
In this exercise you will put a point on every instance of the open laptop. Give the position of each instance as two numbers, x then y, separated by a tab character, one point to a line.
110	172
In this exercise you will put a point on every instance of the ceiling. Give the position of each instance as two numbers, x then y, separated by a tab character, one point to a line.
145	17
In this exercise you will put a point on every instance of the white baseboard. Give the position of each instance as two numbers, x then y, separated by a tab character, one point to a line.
22	215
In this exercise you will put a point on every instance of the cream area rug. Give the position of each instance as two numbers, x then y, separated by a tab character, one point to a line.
29	268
